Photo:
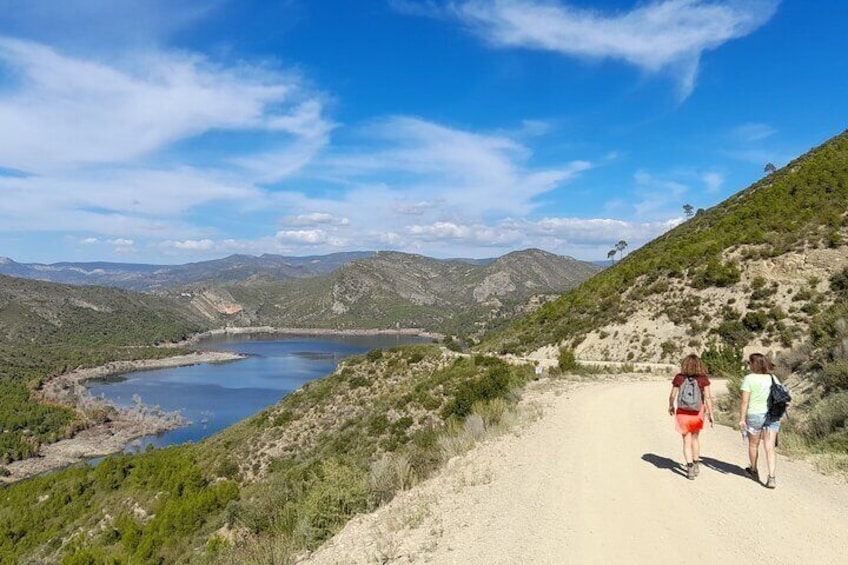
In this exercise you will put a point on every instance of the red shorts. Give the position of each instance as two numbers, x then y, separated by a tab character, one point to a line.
689	423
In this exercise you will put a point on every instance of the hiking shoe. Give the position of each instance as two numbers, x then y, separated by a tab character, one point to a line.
771	482
752	473
690	471
696	467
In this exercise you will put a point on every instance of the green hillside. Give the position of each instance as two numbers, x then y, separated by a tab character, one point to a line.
47	329
394	289
281	481
798	208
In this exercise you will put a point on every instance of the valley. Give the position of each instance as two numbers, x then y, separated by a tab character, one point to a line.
280	483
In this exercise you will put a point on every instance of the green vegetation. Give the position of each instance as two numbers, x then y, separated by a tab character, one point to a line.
794	208
288	477
567	360
156	503
48	329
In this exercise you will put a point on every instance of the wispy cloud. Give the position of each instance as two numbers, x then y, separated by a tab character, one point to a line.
663	35
92	139
439	167
753	132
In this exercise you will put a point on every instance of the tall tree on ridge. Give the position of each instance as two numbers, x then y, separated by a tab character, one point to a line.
769	168
689	210
611	255
620	248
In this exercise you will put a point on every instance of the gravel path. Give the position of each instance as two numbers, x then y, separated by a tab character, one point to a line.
597	480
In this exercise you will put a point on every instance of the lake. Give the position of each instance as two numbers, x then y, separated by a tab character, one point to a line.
215	396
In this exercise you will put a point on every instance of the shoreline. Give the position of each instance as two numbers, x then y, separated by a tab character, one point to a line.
121	425
271	330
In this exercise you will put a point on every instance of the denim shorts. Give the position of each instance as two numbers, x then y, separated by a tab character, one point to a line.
757	422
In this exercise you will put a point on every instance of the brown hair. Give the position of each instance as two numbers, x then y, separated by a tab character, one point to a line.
760	364
692	366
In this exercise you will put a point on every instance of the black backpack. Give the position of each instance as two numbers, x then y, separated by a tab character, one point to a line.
778	400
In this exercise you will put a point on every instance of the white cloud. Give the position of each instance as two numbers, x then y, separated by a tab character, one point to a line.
306	237
315	218
121	242
88	241
126	113
91	137
417	162
661	35
191	244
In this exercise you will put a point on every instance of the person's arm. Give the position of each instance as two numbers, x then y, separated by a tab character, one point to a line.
708	400
671	396
743	408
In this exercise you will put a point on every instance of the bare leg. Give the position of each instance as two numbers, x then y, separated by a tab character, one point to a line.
771	456
696	446
687	448
753	449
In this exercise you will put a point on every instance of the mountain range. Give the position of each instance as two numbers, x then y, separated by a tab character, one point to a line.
347	290
143	277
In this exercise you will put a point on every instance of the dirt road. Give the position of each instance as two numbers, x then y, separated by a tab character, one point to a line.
597	479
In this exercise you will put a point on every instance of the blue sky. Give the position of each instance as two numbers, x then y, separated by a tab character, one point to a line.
169	131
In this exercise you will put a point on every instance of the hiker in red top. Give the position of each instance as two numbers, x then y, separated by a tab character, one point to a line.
690	388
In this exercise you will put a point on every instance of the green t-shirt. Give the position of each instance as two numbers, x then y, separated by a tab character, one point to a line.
758	386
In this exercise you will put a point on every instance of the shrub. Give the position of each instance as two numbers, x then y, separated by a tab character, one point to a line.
839	281
495	383
374	355
834	375
734	333
828	416
725	362
669	348
716	273
755	321
567	360
338	491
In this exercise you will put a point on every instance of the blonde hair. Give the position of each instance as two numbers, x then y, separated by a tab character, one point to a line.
692	366
760	364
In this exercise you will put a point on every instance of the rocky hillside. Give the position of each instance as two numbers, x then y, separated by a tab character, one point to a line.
754	271
394	289
152	277
41	313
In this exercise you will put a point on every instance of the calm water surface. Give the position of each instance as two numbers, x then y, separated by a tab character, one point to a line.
216	396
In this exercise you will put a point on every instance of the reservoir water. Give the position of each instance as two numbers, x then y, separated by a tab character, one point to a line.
215	396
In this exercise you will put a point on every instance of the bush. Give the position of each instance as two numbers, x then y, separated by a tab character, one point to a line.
567	360
755	321
839	281
496	383
834	375
734	333
828	416
374	355
717	274
725	362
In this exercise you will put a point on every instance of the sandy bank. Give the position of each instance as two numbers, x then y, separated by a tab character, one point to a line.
121	425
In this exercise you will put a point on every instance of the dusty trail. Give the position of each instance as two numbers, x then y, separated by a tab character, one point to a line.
597	480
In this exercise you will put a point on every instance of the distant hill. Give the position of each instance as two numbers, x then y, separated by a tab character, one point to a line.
154	277
43	313
754	271
392	289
